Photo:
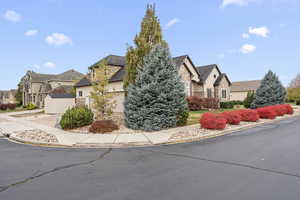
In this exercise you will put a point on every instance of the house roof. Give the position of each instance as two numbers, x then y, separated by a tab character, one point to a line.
205	71
242	86
114	60
219	79
83	82
63	89
61	95
69	75
111	60
6	93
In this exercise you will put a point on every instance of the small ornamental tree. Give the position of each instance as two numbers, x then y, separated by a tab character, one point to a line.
150	35
157	99
103	104
249	99
270	92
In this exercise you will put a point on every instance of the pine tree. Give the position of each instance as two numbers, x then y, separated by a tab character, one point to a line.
270	92
102	102
150	35
157	99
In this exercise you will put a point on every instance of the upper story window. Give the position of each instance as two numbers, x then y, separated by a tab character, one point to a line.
215	76
80	93
209	93
224	94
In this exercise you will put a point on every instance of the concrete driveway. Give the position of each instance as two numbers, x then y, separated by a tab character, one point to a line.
259	163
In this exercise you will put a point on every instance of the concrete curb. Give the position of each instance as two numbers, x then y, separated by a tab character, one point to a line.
143	144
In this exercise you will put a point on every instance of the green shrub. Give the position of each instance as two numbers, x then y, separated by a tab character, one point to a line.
226	105
31	106
77	117
249	99
230	104
182	117
298	103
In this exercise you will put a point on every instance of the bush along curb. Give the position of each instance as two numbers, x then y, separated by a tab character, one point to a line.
218	121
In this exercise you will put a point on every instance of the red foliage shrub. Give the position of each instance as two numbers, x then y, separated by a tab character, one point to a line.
248	115
194	103
233	118
11	106
213	121
3	106
266	112
279	109
103	126
197	103
289	109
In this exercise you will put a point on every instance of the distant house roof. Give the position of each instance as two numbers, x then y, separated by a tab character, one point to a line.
114	60
69	75
61	95
63	89
205	71
83	82
6	93
219	79
244	86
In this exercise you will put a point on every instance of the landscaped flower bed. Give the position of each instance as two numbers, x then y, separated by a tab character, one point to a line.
219	121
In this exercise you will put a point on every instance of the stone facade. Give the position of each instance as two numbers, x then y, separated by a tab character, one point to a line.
35	86
8	96
195	84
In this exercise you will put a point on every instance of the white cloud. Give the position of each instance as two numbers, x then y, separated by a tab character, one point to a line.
235	2
259	31
247	48
58	39
12	16
31	32
49	65
245	35
172	23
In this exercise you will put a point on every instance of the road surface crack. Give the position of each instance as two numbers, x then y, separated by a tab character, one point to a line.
227	163
6	187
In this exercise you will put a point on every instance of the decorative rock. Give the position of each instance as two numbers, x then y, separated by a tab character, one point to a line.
36	136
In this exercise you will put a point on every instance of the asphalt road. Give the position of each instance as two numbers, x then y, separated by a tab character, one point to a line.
260	163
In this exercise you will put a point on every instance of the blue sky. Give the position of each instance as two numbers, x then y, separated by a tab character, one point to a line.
245	37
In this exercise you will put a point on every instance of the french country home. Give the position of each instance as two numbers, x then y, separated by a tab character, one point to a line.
36	86
203	81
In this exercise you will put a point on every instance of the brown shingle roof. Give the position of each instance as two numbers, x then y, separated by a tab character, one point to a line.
245	86
113	60
69	75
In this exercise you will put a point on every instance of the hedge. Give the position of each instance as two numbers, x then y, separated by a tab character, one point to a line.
232	117
213	121
197	103
216	121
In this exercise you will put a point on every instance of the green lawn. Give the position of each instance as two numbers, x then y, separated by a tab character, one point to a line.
194	116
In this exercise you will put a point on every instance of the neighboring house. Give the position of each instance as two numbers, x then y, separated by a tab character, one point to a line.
36	87
239	90
206	81
8	96
215	84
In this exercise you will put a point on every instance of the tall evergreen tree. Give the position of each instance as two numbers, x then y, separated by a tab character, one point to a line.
157	99
270	92
150	35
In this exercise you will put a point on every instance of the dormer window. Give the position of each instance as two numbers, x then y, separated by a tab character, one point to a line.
215	76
